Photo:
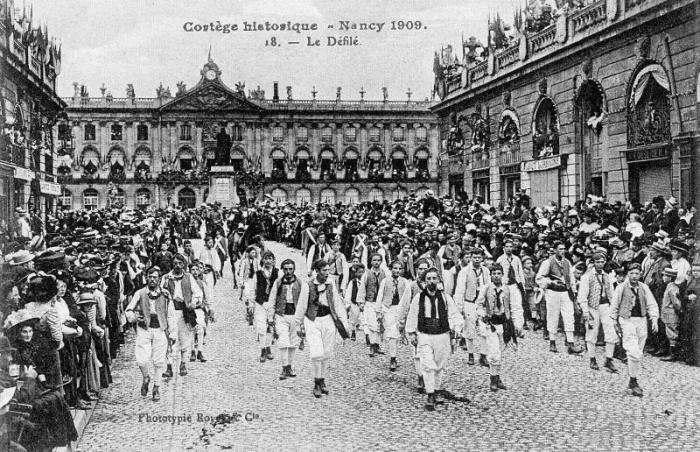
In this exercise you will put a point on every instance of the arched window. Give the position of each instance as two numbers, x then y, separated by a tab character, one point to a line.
90	199
374	163
279	170
237	158
545	129
186	158
328	164
398	164
352	196
649	107
302	163
118	200
303	196
65	201
351	157
328	196
376	194
116	155
143	198
142	154
508	128
589	107
279	195
186	198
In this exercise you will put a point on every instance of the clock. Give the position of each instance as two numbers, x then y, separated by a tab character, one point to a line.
210	74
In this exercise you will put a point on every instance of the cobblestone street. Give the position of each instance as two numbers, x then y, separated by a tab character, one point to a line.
553	401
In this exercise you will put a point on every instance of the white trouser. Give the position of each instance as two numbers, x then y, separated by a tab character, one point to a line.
471	330
434	351
371	322
320	334
559	302
516	306
286	331
494	346
151	346
185	336
391	322
354	316
634	336
601	316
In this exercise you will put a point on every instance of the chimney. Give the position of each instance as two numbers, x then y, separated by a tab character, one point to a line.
276	94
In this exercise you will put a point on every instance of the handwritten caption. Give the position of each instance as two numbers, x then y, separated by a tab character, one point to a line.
309	34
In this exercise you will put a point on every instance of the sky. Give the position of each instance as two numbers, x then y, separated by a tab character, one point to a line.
144	42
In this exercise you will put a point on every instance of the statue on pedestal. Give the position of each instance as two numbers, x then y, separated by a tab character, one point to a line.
223	148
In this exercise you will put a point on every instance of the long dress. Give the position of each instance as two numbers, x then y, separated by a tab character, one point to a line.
48	337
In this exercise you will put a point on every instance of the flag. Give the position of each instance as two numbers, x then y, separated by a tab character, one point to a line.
58	61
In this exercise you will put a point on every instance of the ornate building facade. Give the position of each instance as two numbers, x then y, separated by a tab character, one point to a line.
30	62
600	100
161	151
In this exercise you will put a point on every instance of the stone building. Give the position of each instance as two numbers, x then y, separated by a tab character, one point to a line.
161	151
29	107
600	99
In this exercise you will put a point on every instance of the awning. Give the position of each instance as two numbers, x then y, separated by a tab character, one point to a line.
374	155
302	154
278	154
237	154
327	154
655	71
422	154
398	155
351	154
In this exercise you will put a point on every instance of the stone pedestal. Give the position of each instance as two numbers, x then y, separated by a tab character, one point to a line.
222	186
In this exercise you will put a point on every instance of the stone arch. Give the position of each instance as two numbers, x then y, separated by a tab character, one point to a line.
328	196
648	105
186	198
375	194
545	128
116	154
352	196
89	154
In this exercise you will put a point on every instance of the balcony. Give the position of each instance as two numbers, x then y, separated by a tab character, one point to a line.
509	154
588	17
480	159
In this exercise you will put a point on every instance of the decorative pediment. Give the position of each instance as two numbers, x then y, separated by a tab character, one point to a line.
211	96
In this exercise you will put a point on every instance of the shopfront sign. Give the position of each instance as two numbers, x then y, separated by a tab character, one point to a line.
24	174
542	164
49	188
647	154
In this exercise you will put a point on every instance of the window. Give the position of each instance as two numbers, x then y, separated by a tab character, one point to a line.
545	137
64	133
116	132
422	134
48	163
143	198
90	199
186	164
374	134
66	200
185	132
237	133
327	135
142	132
350	134
302	134
277	133
89	132
398	134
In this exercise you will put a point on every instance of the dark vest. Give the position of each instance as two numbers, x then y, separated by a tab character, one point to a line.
561	271
372	285
161	309
313	305
264	285
432	325
281	297
186	291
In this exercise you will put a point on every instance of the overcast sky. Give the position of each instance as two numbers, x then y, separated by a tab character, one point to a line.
143	42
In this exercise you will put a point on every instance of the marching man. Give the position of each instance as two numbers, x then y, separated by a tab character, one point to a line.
391	291
494	310
369	288
352	298
338	263
632	303
594	295
317	251
431	318
515	280
318	313
470	283
156	327
281	307
186	296
263	280
415	289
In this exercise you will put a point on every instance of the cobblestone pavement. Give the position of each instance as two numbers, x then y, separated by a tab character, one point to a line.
553	402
